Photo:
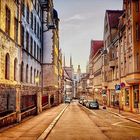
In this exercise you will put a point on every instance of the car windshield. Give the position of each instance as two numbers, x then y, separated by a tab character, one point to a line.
94	101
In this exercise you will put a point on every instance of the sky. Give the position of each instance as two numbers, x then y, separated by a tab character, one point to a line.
80	22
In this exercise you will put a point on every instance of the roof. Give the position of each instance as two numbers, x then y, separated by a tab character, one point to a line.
113	17
95	46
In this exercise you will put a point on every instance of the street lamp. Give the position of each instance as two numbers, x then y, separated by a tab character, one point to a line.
38	95
37	80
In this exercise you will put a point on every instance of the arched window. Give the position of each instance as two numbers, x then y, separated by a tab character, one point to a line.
15	69
31	75
27	73
21	72
34	75
7	66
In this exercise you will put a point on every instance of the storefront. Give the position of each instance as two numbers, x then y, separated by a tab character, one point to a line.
114	98
136	98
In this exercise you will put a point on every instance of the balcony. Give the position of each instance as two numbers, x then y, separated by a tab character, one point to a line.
112	63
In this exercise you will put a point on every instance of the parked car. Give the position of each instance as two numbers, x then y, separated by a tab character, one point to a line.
93	104
67	100
84	102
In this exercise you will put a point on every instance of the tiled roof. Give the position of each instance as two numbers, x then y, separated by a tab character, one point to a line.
95	46
113	17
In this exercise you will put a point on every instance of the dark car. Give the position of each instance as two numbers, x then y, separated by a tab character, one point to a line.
93	104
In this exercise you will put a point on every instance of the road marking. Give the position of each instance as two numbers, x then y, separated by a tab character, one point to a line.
129	126
117	123
50	127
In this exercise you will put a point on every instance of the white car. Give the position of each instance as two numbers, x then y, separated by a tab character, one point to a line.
67	100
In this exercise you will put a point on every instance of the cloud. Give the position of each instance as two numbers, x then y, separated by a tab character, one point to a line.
75	18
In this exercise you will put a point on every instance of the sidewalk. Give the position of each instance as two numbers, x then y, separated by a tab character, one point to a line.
135	117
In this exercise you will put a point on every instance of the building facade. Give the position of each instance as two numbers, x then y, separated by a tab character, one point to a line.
120	58
30	59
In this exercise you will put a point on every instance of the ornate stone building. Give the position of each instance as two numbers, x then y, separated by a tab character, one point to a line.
30	58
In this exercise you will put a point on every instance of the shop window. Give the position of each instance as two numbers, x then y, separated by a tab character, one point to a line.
127	96
136	95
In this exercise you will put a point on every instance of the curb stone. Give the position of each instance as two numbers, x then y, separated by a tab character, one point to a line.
130	119
51	126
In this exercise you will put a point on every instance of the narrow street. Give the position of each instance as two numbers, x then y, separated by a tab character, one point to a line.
80	123
76	123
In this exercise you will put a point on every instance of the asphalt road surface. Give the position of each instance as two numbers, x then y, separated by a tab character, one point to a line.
80	123
76	123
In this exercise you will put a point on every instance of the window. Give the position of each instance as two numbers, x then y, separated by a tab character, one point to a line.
34	75
15	69
7	22
37	82
137	61
38	30
35	25
40	33
31	75
35	4
27	41
31	44
23	7
35	49
21	72
22	36
37	52
137	5
7	66
15	29
27	73
137	31
31	20
40	54
27	14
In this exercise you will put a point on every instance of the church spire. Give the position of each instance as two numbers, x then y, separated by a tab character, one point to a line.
70	61
64	61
